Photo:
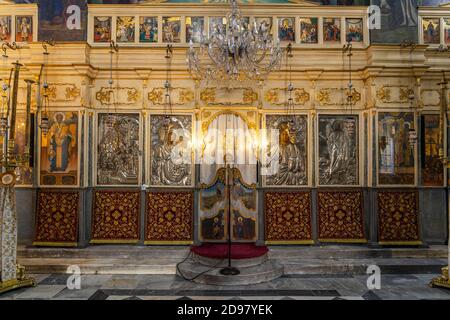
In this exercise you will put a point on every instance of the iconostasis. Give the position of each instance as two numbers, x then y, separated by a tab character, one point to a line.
347	172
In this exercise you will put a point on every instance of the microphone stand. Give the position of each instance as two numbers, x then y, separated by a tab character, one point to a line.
229	270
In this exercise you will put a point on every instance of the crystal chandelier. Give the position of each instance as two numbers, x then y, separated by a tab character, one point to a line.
237	53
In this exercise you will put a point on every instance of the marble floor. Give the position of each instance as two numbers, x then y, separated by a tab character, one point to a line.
289	287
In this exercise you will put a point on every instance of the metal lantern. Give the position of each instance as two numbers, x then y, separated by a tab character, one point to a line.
412	137
44	125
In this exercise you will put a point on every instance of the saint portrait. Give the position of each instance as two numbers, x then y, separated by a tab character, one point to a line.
171	29
338	150
332	30
125	29
102	29
171	150
308	30
59	150
354	29
396	158
5	28
118	149
24	28
217	26
148	29
431	31
286	29
290	151
195	29
264	25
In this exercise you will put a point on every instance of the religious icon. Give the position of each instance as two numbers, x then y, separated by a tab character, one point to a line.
354	29
118	149
447	30
125	29
246	23
308	30
332	30
171	29
291	151
338	150
171	151
59	150
5	28
148	29
286	31
395	154
431	32
263	25
194	29
217	25
23	173
432	168
24	29
102	29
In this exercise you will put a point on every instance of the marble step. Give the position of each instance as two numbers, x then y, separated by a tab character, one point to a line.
205	261
275	252
265	272
155	265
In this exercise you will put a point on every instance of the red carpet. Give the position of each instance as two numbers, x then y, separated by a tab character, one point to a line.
238	250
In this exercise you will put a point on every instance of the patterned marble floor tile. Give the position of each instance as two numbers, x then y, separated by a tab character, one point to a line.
41	292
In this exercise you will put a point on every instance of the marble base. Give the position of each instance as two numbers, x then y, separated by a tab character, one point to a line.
251	272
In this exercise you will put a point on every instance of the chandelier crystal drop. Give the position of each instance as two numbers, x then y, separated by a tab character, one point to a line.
238	53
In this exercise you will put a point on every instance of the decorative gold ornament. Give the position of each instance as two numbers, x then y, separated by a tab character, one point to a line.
301	96
208	95
72	93
272	96
249	96
133	95
384	94
156	96
323	96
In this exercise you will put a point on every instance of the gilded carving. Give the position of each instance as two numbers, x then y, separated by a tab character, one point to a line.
72	93
300	96
156	96
250	96
272	96
118	95
337	96
208	95
184	95
384	94
393	94
323	96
